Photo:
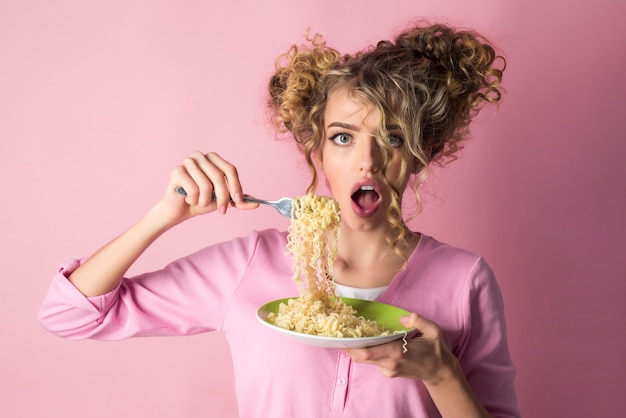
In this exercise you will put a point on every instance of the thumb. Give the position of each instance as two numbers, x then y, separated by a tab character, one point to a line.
423	325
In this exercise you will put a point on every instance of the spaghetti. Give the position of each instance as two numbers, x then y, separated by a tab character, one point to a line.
312	243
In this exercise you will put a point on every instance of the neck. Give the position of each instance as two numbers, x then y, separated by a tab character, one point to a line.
366	259
363	248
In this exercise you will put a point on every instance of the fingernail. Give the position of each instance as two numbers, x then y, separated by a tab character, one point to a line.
238	198
222	210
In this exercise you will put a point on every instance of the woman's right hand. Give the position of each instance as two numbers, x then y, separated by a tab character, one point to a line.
202	175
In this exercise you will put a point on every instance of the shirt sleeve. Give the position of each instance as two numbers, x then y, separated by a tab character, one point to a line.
485	357
189	296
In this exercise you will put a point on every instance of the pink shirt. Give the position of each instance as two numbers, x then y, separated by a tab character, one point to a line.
219	288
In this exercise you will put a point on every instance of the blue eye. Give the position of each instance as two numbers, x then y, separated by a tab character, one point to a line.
395	141
341	138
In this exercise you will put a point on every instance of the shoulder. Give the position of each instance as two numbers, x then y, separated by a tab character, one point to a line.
266	239
263	242
449	256
270	235
456	266
242	248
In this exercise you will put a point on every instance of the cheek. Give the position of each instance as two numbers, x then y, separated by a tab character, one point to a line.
333	172
330	162
395	167
395	171
330	171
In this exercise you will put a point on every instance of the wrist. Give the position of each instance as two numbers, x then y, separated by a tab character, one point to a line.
452	393
159	219
448	369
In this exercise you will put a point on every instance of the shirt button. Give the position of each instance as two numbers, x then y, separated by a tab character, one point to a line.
341	381
344	354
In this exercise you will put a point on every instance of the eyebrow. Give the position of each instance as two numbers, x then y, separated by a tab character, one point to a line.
391	128
341	125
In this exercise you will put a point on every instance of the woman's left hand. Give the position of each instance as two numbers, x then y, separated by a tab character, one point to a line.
427	358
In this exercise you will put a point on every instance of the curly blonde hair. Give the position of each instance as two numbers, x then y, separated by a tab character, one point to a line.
429	82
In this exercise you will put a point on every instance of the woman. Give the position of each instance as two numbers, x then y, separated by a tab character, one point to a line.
371	124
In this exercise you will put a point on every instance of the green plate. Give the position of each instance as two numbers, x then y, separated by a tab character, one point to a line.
386	315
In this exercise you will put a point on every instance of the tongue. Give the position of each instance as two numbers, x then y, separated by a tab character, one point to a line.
365	198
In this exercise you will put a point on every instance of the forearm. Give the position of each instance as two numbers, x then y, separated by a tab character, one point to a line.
103	271
453	395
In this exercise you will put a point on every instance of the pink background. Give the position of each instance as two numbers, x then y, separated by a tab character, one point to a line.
99	100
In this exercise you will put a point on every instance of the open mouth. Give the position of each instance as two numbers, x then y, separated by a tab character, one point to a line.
366	198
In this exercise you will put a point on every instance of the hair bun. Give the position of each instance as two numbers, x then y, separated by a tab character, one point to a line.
293	84
463	59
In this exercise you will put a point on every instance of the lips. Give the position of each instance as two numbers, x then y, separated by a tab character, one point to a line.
366	198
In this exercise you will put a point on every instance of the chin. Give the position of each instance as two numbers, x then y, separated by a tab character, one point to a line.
365	224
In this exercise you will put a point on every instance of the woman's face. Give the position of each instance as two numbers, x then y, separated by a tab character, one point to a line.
352	160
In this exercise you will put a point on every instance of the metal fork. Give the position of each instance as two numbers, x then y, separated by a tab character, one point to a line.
283	205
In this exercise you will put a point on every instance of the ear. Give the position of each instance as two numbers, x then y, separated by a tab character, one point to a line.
316	159
314	164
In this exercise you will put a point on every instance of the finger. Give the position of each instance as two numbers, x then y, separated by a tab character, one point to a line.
425	327
373	354
200	172
232	184
245	205
410	321
180	178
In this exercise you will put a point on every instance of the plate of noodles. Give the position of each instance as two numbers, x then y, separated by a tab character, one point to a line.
361	323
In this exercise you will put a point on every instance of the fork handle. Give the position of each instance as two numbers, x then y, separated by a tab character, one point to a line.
182	192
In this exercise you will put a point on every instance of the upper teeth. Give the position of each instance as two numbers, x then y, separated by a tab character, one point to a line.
367	187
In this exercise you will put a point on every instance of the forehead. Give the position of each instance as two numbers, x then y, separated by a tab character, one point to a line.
346	105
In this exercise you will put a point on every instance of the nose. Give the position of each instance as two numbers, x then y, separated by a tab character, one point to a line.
369	155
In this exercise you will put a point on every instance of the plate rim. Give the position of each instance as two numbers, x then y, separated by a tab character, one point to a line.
334	342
